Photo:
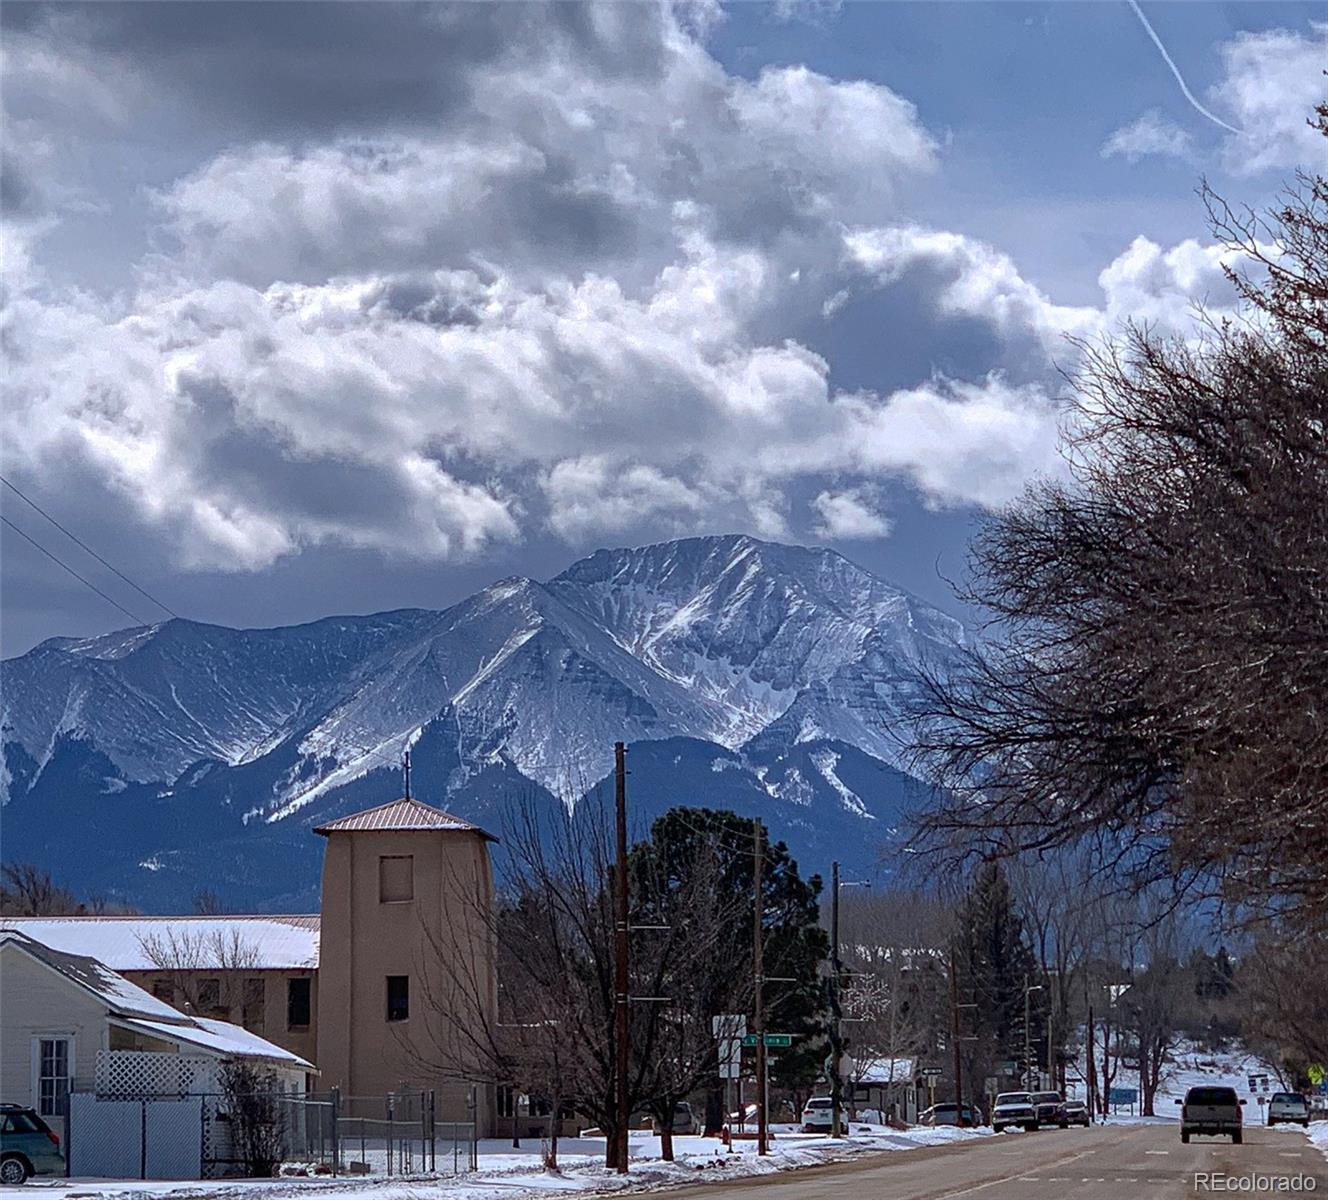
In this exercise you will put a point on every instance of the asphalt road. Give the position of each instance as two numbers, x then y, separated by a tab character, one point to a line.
1114	1162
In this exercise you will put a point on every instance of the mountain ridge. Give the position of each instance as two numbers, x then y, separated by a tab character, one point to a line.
767	653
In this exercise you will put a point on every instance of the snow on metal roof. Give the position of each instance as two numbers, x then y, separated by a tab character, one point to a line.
220	1037
406	813
886	1070
144	943
117	993
130	1005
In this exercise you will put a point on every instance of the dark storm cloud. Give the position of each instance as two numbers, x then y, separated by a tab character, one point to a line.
292	70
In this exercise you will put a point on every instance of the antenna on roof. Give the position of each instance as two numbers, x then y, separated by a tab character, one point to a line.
406	772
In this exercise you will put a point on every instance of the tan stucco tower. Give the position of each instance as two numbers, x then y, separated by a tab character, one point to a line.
407	980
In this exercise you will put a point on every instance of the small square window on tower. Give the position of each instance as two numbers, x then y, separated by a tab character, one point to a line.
396	878
398	997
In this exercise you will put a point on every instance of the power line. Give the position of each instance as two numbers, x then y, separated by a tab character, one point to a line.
61	563
78	541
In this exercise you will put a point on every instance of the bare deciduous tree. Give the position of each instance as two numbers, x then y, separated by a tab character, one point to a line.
1162	617
206	968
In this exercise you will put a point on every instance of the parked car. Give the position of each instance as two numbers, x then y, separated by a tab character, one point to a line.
948	1114
818	1115
1213	1111
685	1120
1073	1112
1048	1105
1290	1107
28	1146
1014	1108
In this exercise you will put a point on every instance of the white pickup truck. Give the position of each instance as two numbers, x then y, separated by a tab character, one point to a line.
1214	1111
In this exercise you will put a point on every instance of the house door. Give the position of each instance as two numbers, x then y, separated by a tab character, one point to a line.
52	1056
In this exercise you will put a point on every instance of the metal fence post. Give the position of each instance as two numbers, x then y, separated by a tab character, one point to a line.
390	1131
143	1139
336	1130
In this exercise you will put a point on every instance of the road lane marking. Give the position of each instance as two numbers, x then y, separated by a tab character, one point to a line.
1157	1151
982	1187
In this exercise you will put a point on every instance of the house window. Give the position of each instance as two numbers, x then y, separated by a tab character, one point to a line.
506	1101
164	990
252	1003
396	878
398	997
52	1076
209	997
298	997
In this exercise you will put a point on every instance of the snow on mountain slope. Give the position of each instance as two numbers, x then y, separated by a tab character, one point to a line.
155	700
768	632
783	657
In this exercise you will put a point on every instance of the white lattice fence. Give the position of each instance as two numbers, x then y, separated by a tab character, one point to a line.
146	1073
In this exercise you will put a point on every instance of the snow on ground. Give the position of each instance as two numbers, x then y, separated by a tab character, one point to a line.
1318	1135
519	1175
1190	1067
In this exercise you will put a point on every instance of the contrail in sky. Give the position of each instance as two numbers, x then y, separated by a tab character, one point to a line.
1175	70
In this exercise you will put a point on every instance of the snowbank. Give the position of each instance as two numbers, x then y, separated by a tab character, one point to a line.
519	1175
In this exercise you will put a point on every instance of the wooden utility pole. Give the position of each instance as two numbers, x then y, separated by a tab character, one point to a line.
758	922
620	971
960	1115
836	1027
1090	1082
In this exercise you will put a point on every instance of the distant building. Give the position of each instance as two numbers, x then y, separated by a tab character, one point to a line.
386	989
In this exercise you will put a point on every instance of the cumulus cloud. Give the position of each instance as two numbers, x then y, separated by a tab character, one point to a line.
1150	134
593	495
851	515
575	304
1271	82
975	280
1162	286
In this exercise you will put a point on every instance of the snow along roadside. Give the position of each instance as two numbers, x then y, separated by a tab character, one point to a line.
512	1176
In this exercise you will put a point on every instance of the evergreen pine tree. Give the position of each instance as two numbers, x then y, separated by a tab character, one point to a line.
994	963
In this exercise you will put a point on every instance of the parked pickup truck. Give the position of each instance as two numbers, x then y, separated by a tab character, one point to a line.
1214	1111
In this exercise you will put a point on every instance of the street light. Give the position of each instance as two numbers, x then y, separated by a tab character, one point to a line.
1029	989
836	1032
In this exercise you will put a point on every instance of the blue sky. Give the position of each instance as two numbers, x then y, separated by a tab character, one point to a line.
326	308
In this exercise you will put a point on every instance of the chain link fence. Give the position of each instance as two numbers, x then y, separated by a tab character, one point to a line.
197	1136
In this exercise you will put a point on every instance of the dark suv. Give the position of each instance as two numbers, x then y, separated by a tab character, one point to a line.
27	1146
1048	1105
1211	1111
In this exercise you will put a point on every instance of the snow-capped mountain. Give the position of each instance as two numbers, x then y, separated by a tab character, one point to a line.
770	677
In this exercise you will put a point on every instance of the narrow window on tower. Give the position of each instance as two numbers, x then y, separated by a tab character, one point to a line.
396	878
398	997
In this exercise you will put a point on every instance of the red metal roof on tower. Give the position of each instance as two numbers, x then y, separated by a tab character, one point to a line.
406	813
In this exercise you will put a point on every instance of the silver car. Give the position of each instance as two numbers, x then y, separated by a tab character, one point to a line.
1290	1108
1014	1108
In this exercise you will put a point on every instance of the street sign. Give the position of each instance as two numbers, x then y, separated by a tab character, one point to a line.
1123	1095
773	1041
729	1029
729	1025
932	1072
